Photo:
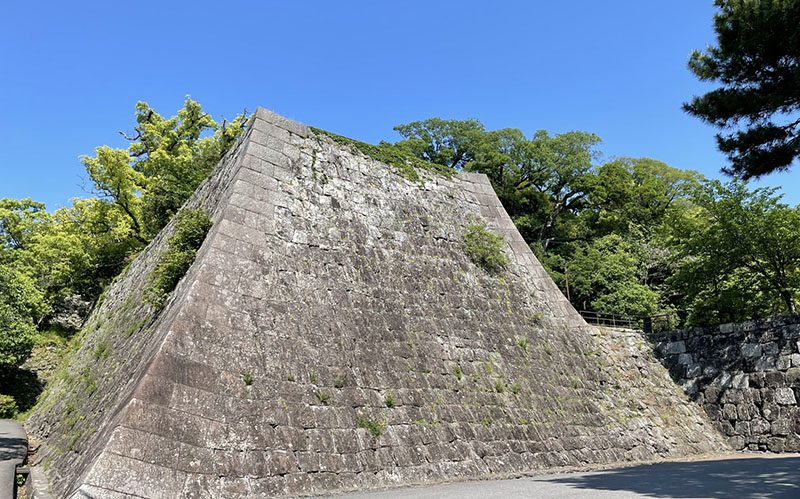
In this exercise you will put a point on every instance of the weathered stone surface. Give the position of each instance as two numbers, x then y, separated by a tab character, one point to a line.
332	335
747	379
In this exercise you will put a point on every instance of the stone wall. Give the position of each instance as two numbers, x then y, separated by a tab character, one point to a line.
746	376
333	334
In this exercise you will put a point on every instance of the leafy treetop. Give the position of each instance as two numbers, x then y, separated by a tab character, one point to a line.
757	62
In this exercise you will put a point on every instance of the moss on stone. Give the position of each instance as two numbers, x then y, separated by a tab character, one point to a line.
402	160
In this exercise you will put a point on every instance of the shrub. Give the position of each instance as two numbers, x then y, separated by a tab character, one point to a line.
8	406
484	248
190	231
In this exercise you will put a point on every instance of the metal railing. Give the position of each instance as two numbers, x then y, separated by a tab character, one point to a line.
648	324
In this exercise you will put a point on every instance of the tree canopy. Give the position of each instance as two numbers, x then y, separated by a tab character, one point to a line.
631	235
48	260
757	62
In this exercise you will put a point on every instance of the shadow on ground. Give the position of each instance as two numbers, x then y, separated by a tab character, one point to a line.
771	478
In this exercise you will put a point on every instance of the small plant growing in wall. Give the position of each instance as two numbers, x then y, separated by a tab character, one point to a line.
247	378
535	317
389	401
323	397
374	427
191	227
485	248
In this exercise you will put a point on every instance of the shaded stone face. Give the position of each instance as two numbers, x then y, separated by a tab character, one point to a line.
747	377
333	334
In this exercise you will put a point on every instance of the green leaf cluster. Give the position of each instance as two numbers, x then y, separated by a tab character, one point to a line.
148	182
191	227
20	305
485	248
739	251
8	407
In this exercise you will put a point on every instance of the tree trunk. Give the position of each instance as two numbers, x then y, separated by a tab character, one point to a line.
789	299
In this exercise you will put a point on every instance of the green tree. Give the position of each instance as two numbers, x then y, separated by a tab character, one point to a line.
167	159
19	219
540	180
635	195
738	241
608	275
450	143
21	303
46	259
757	61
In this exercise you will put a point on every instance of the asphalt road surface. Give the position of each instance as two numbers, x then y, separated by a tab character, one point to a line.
759	476
13	448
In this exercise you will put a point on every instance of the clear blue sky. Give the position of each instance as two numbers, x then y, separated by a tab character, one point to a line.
73	71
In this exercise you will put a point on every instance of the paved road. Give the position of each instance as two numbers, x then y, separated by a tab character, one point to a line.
13	448
754	477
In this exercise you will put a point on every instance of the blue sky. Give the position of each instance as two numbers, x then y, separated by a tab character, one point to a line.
73	72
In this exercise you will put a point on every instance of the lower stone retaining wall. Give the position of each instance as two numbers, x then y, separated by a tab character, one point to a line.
746	376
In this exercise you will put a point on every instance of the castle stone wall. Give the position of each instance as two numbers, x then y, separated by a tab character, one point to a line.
746	376
333	334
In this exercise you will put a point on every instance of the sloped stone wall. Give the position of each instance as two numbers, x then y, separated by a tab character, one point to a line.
333	334
79	410
746	376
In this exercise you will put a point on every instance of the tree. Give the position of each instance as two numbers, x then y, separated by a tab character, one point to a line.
167	159
19	219
450	143
20	305
609	276
757	61
538	180
52	259
741	241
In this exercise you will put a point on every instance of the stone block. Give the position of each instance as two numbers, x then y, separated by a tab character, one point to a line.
751	350
785	396
770	348
279	121
676	347
766	363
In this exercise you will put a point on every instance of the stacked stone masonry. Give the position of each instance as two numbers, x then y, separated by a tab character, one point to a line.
333	335
746	376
